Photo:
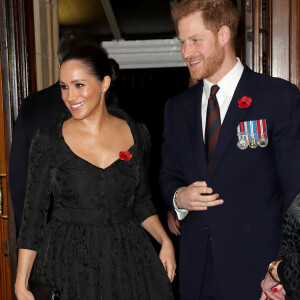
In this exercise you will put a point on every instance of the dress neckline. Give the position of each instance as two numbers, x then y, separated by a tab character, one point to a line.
117	113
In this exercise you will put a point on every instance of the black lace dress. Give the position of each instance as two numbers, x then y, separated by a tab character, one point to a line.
84	221
289	268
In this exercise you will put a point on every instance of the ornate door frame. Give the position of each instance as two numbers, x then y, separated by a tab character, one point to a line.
16	48
273	28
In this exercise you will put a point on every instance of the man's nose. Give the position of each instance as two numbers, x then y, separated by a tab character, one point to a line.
186	50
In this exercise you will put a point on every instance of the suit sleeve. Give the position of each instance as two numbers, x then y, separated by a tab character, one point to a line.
18	167
170	177
37	195
144	207
286	141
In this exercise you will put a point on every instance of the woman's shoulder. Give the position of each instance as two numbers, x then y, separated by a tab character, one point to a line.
295	203
292	216
294	207
54	129
138	128
49	135
143	136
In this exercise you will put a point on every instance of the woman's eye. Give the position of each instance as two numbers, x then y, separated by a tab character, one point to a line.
63	87
78	85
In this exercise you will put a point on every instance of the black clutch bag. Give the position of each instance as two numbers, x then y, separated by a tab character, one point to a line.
44	292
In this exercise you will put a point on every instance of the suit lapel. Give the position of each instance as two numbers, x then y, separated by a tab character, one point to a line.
194	129
234	116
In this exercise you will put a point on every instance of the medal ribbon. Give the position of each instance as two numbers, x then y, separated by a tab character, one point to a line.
239	130
246	129
242	127
264	128
252	127
259	128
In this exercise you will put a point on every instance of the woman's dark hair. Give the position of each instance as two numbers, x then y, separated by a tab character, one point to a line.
94	58
71	40
96	61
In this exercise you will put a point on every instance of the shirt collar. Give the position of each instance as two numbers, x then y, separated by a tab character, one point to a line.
228	83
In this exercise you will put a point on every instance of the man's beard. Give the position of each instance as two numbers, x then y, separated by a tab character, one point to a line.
209	66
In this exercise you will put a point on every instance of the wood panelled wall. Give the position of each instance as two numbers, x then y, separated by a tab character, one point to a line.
294	52
46	33
276	38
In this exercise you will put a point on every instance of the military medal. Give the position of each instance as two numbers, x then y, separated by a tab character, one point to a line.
262	133
253	143
242	136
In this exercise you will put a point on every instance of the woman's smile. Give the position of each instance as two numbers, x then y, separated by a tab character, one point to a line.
77	106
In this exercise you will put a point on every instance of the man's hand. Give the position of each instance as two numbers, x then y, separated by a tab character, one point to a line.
173	223
197	196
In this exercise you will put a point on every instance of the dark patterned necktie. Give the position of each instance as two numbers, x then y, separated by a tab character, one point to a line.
213	125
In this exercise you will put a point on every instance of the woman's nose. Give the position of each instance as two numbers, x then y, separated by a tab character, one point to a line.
71	94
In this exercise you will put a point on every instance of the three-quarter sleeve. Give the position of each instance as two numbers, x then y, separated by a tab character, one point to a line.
289	275
144	207
289	268
37	194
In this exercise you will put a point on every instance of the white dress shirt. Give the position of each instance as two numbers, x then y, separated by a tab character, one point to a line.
224	95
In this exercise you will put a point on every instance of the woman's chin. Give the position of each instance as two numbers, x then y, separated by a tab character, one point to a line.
78	115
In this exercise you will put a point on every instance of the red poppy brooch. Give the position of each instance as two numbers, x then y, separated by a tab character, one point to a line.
244	102
125	155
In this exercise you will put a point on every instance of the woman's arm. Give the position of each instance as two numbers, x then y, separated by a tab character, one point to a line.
25	262
145	212
167	254
34	214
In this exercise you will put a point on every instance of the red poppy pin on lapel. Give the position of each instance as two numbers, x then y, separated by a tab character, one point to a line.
244	102
125	155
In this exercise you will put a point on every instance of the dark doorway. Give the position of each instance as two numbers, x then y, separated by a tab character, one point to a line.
142	93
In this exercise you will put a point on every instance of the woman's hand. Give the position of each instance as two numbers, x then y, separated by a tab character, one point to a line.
25	263
271	289
173	224
167	256
23	294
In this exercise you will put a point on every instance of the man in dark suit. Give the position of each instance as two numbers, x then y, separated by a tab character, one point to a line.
230	159
37	111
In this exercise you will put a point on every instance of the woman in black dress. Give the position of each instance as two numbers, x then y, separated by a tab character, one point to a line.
282	280
88	199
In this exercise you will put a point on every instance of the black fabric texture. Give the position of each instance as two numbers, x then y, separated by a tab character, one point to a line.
289	268
39	110
86	257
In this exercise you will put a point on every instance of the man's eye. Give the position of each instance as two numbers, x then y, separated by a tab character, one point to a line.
182	42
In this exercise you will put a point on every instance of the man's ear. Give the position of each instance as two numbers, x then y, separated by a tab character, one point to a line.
224	35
